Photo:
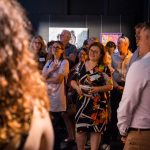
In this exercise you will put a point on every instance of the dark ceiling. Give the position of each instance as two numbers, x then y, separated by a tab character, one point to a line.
106	7
118	15
87	7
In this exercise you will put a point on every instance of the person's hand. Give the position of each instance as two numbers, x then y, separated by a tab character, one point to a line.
54	66
123	139
79	91
120	88
94	89
52	69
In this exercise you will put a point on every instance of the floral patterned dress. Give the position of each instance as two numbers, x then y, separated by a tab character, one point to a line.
92	111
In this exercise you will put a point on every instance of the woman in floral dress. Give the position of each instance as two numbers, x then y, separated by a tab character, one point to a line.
92	81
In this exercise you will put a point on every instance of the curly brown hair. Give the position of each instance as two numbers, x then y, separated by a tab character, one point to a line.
21	84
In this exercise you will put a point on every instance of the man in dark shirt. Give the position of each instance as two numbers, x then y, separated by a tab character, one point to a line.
70	49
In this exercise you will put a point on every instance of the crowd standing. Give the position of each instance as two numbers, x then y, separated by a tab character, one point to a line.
99	91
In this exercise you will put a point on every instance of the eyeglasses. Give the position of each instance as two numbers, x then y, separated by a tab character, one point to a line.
37	42
94	52
56	47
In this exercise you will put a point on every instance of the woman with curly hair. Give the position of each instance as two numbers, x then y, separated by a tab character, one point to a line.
24	103
92	83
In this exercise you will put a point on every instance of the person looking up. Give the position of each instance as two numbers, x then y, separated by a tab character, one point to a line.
70	50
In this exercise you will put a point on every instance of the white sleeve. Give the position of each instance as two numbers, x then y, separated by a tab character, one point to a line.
41	128
64	68
135	82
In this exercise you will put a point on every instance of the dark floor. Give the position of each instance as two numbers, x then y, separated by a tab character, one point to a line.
72	146
60	135
113	146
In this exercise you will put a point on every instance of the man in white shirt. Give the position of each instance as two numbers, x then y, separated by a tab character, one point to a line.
134	108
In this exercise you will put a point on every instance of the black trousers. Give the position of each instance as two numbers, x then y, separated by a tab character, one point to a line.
115	99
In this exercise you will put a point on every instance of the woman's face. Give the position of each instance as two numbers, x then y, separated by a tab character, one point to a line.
37	45
111	50
83	56
94	53
57	51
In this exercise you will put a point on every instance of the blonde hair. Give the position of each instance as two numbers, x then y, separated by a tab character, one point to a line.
43	46
20	82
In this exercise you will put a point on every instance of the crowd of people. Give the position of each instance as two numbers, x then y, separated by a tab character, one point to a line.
100	93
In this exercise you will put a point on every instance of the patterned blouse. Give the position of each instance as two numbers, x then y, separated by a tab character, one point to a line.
92	110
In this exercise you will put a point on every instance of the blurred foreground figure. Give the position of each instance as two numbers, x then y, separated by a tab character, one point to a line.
24	105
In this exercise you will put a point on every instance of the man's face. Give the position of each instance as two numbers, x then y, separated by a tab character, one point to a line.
144	41
122	45
65	37
137	35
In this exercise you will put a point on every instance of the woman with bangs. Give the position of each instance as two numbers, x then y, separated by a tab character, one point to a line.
56	72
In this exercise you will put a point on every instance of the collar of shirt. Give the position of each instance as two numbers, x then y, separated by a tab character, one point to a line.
127	56
67	45
146	56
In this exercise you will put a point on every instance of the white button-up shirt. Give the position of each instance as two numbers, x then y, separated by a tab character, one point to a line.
134	108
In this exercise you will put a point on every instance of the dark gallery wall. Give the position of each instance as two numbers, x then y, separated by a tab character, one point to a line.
96	15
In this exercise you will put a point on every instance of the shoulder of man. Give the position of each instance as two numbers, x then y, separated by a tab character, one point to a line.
71	46
115	55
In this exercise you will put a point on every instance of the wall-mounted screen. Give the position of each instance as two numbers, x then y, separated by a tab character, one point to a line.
105	37
78	35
